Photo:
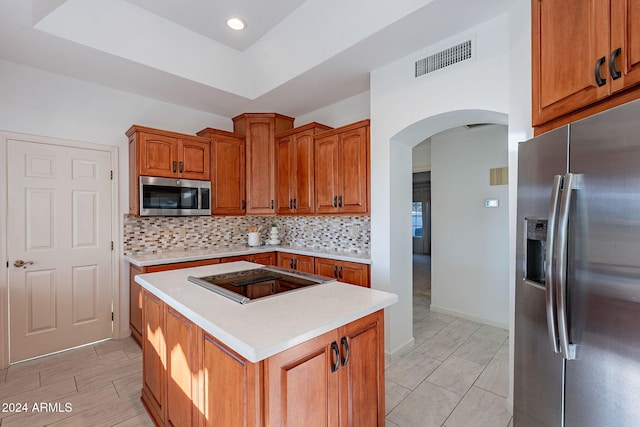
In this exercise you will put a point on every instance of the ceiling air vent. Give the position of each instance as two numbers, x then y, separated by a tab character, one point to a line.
444	58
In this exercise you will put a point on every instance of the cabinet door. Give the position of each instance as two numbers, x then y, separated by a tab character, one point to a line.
305	264
326	174
362	372
228	179
182	362
230	386
158	155
260	166
153	360
326	267
135	304
354	166
625	34
300	386
354	273
286	174
194	160
569	37
285	260
268	258
303	173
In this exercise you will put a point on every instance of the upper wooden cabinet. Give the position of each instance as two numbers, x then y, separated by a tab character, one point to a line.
154	152
295	169
227	171
583	51
342	169
260	130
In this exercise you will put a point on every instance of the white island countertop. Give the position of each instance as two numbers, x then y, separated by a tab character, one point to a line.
267	326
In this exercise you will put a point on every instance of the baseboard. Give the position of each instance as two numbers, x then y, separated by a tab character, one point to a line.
443	310
399	351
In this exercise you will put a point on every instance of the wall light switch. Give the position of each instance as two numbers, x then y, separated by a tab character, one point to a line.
491	203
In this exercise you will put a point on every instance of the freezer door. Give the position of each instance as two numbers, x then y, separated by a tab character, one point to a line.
538	370
603	272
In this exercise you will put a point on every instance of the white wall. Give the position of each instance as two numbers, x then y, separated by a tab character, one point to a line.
41	103
469	243
405	111
339	114
421	158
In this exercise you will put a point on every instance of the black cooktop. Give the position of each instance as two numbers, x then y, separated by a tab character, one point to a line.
249	285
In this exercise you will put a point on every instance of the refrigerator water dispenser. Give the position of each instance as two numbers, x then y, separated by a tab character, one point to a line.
535	250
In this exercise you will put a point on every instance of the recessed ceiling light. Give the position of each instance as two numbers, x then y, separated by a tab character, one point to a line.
236	24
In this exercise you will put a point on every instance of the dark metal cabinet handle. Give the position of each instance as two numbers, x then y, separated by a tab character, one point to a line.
295	203
340	272
335	201
175	165
272	204
295	264
336	355
181	167
345	344
291	263
615	74
339	201
335	271
243	205
600	81
290	203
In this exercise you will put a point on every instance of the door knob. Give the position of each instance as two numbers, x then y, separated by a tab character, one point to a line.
20	263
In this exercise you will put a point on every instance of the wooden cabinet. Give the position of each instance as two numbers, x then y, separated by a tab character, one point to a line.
582	52
154	391
154	152
190	378
295	169
303	263
342	169
334	379
227	172
260	130
266	258
135	290
345	271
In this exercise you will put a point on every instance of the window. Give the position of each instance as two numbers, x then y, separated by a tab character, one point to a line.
416	219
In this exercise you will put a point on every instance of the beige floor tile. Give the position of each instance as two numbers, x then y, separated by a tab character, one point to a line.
3	375
456	374
479	408
428	327
81	355
140	420
128	345
461	328
427	406
491	333
411	369
495	378
393	394
477	350
129	384
503	352
81	367
19	383
442	316
50	393
440	346
107	374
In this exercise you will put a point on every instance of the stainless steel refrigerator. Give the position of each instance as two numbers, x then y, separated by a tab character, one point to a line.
577	316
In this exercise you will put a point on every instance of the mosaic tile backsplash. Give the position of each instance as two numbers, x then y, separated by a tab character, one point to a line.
162	234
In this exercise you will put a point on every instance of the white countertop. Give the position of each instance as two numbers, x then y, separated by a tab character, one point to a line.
267	326
145	260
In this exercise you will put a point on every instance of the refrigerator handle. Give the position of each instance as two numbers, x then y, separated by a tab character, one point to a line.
570	183
549	269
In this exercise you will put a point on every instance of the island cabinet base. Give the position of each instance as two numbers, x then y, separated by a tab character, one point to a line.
192	379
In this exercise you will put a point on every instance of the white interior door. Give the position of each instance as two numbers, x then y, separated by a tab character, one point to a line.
59	224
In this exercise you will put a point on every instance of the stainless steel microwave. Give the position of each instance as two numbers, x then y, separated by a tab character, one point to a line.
174	197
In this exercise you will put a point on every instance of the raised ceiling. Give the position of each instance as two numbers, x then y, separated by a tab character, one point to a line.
294	57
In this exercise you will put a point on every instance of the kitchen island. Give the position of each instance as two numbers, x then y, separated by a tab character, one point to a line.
313	356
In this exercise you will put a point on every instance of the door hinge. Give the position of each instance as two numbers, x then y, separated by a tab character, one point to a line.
111	175
112	245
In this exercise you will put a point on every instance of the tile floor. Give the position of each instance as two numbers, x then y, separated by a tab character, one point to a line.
456	375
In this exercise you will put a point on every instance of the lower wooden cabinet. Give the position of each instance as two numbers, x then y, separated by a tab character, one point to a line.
135	290
192	379
303	263
267	258
345	271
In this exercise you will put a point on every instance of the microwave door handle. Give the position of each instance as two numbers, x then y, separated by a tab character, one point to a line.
550	279
571	182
